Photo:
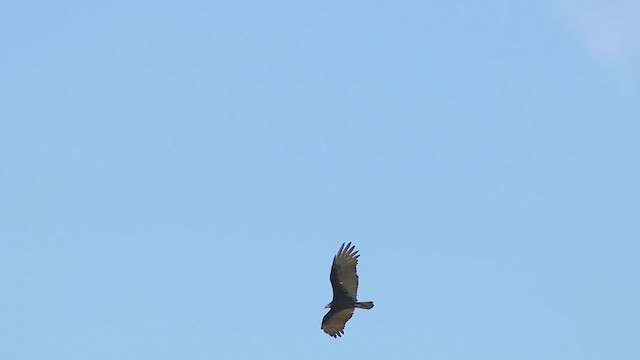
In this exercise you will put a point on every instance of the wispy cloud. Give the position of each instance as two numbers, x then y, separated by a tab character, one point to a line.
609	29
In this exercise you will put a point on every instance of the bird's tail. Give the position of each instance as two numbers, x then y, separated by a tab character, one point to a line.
364	304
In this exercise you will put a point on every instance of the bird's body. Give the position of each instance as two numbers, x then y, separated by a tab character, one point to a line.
344	281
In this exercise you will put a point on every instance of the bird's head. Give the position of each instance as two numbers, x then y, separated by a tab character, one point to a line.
328	306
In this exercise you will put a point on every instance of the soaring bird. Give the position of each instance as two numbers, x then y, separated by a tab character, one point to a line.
344	281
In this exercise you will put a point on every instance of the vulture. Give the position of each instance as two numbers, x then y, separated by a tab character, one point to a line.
344	281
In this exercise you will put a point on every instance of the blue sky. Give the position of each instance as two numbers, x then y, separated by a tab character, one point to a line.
177	175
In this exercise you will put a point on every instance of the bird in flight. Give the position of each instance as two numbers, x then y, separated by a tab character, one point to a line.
344	281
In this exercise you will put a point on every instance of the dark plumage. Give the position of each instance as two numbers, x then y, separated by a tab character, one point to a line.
344	281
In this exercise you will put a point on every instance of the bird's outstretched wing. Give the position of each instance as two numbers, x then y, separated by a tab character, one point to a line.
344	278
333	323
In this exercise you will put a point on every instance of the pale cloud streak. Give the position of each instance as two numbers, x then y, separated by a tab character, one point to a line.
609	32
